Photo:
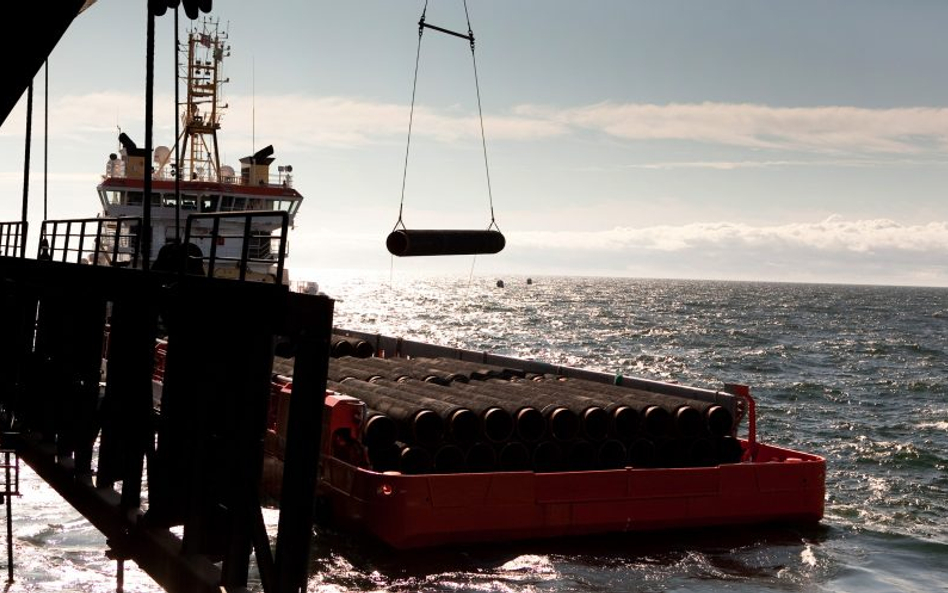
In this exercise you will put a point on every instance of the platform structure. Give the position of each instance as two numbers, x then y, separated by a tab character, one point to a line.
92	431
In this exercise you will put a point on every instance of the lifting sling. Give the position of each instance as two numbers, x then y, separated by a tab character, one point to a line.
404	242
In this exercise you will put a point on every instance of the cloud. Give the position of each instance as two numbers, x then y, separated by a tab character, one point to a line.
301	120
833	250
828	129
347	122
830	235
783	164
719	165
291	120
876	251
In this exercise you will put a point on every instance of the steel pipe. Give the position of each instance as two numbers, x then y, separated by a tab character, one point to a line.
404	243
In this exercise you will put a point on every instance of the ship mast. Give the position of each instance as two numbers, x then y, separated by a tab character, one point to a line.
202	71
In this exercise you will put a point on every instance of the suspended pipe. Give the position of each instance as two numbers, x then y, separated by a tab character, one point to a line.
406	243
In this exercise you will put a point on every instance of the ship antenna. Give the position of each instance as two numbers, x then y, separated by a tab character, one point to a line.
253	105
177	134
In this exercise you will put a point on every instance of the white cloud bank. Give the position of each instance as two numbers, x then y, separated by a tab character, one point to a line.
829	251
351	122
819	129
832	250
830	235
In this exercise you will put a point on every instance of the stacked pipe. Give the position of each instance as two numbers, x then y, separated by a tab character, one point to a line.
342	346
673	431
447	416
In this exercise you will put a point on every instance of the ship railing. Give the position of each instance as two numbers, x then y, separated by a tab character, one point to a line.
13	238
280	178
94	241
116	170
10	474
255	248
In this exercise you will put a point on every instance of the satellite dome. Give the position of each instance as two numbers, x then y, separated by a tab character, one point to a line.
162	153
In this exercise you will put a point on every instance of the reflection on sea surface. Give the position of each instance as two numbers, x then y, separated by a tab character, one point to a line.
853	373
695	560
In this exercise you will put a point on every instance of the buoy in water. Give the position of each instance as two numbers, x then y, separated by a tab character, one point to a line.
500	284
529	280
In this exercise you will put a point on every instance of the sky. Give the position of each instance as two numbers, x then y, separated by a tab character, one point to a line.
753	140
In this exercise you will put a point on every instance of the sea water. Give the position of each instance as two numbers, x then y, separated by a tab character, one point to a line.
857	374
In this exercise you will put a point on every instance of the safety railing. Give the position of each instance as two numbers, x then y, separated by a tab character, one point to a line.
10	472
12	237
95	241
214	230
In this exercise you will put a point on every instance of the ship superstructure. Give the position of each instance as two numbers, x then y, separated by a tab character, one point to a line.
189	179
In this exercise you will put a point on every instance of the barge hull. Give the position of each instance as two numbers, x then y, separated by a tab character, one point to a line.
416	511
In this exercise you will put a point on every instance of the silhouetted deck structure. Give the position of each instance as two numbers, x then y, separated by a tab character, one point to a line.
102	446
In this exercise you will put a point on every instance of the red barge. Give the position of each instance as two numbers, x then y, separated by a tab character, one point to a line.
753	484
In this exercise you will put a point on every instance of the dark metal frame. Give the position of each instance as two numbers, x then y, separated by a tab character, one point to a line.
212	258
80	236
216	386
12	237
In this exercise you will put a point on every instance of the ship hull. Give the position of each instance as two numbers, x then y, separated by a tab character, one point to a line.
420	511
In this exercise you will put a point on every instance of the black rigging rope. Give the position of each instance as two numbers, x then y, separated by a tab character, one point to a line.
26	168
177	134
46	143
422	25
480	114
411	115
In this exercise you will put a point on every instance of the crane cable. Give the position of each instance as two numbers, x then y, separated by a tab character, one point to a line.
422	25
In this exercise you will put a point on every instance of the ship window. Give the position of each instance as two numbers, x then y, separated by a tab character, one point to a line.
113	198
289	206
285	205
209	203
231	204
188	201
134	198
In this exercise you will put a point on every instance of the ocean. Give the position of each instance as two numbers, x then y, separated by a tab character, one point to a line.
857	374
